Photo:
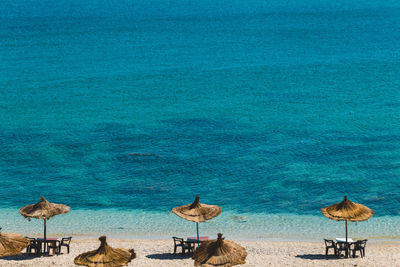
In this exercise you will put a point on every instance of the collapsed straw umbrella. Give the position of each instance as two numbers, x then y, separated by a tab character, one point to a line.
43	210
219	252
105	256
197	212
347	211
12	244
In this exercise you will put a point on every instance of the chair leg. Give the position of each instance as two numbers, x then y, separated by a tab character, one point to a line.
174	249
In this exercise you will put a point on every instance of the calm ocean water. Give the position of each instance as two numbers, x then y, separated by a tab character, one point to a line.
269	111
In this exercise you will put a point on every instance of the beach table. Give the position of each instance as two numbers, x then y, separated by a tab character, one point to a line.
51	240
193	240
343	240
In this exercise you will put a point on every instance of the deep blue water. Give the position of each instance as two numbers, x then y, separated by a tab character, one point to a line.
259	108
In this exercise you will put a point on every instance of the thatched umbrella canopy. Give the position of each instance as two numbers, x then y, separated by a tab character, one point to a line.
105	256
43	210
219	252
12	244
197	212
347	211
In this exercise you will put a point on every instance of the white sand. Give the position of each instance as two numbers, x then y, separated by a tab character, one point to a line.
158	253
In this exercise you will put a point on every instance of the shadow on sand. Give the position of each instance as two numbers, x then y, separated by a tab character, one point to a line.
168	256
21	257
317	257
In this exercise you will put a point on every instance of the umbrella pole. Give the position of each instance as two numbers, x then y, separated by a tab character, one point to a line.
44	237
197	227
347	244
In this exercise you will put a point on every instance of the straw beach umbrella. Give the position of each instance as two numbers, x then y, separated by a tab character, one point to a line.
347	211
12	244
197	212
105	256
219	252
43	210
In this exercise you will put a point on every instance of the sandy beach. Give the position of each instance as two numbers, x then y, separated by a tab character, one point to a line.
264	253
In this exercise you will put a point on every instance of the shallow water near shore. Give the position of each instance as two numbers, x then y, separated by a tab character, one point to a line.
270	113
139	224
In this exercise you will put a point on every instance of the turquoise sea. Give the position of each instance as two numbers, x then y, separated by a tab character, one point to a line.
269	109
